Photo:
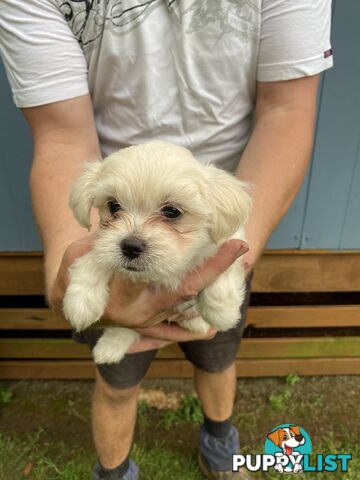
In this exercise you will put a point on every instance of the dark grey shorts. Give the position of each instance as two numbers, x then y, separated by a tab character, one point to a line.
212	356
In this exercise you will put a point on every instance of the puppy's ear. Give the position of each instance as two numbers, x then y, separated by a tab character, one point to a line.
231	203
275	437
295	429
82	193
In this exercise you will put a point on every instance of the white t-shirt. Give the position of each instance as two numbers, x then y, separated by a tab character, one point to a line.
181	70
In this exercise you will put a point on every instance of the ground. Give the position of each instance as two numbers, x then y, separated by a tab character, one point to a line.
45	426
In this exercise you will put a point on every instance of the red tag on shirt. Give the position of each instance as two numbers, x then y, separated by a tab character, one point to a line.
328	53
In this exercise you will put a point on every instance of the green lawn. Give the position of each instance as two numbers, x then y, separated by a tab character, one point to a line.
45	426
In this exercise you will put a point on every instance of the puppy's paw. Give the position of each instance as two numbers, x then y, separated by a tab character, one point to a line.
197	325
83	306
219	304
113	345
221	318
87	294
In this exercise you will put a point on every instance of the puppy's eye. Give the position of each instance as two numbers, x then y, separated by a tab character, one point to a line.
170	212
285	437
113	206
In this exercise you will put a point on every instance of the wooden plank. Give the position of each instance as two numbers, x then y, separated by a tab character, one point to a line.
308	271
277	271
21	274
259	317
43	348
304	316
264	368
302	347
31	319
84	369
47	369
286	347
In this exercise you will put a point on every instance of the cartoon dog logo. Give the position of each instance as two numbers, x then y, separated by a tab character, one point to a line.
288	439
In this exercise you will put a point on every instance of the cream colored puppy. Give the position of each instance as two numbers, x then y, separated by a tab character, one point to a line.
162	213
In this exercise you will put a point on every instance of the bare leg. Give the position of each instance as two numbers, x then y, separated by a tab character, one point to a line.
216	392
113	421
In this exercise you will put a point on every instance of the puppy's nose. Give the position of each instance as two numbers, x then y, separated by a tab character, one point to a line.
132	247
299	438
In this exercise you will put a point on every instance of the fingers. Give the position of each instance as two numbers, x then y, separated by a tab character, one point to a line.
206	274
146	343
174	333
167	315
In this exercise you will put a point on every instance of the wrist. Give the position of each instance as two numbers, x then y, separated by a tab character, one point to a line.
251	257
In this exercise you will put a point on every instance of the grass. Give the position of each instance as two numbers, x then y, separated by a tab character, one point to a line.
157	463
5	396
279	401
45	426
189	412
32	456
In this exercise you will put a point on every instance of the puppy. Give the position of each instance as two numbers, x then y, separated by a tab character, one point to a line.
161	213
287	439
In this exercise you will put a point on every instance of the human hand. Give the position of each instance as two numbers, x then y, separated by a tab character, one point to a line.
139	306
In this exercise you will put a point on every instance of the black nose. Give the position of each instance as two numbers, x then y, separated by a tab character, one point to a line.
299	438
132	247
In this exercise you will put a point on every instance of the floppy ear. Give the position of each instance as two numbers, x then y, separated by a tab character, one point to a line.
82	193
295	429
230	202
275	437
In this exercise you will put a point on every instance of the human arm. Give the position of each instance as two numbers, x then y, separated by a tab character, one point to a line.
276	157
64	137
294	48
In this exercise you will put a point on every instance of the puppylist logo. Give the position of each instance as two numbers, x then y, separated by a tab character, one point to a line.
287	450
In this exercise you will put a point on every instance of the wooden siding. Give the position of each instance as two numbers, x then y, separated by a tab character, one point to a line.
277	271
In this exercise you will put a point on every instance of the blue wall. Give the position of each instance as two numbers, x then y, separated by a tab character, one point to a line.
326	212
17	227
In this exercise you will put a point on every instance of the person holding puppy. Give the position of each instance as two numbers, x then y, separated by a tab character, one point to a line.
234	81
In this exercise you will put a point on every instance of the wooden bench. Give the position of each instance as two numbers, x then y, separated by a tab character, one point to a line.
281	339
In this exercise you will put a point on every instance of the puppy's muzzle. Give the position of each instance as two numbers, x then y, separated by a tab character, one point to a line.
299	438
132	247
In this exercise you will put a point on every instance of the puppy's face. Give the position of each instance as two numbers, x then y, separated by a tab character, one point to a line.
158	210
287	438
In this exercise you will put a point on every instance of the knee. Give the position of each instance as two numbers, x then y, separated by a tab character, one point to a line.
112	395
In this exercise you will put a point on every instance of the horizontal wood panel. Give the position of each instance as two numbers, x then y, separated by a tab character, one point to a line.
84	369
304	316
308	271
259	317
277	271
302	347
250	348
21	274
31	319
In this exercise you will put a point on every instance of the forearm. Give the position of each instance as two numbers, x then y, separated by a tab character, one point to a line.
65	137
55	167
274	163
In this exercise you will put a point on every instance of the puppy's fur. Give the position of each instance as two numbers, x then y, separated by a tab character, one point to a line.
137	190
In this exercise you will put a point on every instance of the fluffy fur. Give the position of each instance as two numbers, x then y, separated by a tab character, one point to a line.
142	183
